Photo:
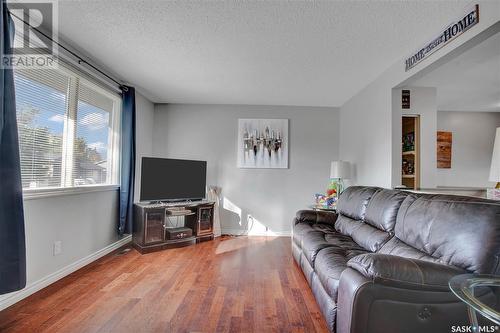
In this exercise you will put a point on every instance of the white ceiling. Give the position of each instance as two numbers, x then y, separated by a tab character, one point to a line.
251	52
469	82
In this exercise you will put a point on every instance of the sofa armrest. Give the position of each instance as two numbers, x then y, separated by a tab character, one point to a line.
368	306
404	272
313	216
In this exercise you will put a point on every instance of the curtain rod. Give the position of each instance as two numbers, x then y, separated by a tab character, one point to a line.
80	60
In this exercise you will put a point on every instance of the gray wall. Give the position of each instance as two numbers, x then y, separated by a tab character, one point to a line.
266	197
473	139
85	223
144	137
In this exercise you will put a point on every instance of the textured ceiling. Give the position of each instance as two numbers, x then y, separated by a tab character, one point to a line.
471	81
251	52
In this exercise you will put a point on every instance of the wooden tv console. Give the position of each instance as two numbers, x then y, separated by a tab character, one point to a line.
152	221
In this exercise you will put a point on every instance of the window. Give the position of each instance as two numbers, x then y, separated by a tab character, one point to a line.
67	129
90	163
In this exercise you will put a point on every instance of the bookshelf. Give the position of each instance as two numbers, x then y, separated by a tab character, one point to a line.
410	156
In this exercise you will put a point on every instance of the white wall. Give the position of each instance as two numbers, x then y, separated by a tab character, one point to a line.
472	147
364	140
368	138
270	196
86	223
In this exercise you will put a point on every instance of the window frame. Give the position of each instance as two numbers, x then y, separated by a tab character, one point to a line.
114	144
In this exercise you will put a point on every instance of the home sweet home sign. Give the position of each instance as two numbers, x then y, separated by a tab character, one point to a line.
450	33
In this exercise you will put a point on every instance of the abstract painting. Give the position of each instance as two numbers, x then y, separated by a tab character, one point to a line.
263	143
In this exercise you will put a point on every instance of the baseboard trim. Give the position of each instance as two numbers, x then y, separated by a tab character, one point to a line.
240	232
12	298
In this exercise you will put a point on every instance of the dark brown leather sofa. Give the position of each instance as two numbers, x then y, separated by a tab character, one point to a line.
383	262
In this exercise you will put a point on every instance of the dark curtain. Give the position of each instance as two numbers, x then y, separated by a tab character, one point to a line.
127	161
12	243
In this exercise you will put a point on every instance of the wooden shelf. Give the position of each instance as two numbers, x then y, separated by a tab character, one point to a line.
411	159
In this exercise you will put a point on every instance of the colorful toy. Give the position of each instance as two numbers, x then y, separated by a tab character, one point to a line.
326	201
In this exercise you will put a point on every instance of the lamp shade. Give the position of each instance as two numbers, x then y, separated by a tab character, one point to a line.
340	169
495	159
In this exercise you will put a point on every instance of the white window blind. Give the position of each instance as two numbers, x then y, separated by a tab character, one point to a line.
67	129
41	107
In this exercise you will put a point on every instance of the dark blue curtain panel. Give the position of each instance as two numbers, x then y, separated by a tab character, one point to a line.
127	161
12	242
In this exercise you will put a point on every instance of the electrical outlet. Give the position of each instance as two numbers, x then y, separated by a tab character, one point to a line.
57	247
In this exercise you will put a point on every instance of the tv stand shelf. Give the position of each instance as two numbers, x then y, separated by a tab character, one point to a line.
151	224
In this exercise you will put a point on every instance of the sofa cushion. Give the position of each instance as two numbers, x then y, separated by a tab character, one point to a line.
327	305
383	208
313	242
329	265
353	201
297	253
300	229
404	272
315	216
370	238
459	231
396	247
340	240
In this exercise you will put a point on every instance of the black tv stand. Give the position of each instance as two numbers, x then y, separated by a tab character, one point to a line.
151	229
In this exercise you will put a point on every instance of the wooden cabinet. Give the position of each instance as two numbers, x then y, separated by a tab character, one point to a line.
202	222
151	222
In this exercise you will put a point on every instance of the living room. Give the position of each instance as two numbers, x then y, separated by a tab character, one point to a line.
244	166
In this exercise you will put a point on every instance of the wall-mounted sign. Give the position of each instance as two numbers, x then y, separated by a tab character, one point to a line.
450	33
405	99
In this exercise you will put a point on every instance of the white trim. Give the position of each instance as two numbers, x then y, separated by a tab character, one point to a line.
12	298
31	194
243	232
114	142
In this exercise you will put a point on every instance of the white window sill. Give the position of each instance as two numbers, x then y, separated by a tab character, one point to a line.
31	194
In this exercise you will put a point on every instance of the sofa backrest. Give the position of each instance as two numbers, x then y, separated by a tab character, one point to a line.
368	215
453	230
383	209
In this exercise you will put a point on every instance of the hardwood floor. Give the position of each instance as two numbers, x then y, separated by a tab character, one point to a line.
243	284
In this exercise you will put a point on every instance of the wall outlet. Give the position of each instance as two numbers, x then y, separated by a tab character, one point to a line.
57	247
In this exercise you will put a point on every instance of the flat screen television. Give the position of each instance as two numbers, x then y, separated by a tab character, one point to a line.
172	180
